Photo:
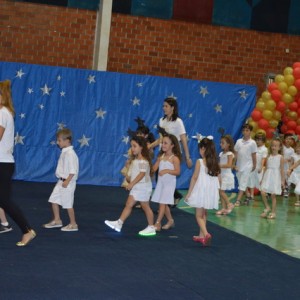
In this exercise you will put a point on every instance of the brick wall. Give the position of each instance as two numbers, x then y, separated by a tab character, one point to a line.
48	35
52	35
197	51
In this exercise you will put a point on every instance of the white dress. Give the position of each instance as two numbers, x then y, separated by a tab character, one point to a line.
142	190
166	184
227	177
205	193
255	177
271	182
295	176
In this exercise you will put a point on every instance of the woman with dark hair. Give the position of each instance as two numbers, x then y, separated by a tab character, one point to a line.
7	163
172	124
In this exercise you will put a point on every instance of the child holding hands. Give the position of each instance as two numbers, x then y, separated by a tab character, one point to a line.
204	187
67	174
140	186
168	163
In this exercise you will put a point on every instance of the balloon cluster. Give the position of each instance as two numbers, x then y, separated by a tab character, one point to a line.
280	102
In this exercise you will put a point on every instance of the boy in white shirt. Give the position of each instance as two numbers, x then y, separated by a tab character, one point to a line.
67	174
245	153
288	152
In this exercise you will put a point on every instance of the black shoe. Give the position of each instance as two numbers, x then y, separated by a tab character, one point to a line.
4	229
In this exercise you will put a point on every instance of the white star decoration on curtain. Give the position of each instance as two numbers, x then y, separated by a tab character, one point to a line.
20	73
203	91
100	113
46	90
125	139
61	126
135	101
62	94
30	90
243	94
218	108
139	84
91	79
19	139
84	141
172	96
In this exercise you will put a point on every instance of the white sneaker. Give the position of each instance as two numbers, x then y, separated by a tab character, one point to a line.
148	231
116	225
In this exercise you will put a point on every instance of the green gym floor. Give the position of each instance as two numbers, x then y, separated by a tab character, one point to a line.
282	233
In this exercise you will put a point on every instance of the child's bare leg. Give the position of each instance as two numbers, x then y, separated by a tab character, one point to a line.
273	197
56	215
71	214
201	220
168	214
161	213
127	209
224	199
264	199
3	216
148	212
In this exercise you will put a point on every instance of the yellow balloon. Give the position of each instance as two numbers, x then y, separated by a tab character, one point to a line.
277	115
266	95
287	98
279	78
292	90
273	123
289	79
261	131
267	114
270	105
260	105
252	134
288	71
283	87
254	125
292	115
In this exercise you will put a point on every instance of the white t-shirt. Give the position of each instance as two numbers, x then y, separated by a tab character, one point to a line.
67	164
173	127
244	150
7	141
262	152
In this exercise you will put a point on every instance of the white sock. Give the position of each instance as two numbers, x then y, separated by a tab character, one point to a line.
4	223
120	222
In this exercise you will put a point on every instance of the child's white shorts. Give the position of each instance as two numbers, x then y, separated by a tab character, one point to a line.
63	196
243	178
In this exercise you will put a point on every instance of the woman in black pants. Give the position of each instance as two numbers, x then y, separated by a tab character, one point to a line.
7	164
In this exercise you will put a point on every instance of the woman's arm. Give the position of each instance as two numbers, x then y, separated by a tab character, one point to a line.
188	159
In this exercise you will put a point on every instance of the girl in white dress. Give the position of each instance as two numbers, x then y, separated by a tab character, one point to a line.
204	187
140	186
273	179
227	177
294	172
168	163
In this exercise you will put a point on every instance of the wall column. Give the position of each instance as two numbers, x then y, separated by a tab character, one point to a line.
102	33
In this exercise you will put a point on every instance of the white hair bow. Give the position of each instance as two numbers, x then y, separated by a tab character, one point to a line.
200	137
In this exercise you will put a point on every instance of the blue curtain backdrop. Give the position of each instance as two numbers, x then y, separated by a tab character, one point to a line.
99	107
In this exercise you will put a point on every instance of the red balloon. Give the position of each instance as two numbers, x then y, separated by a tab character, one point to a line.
284	119
296	73
291	125
297	130
298	111
293	106
291	131
296	65
272	86
276	95
283	128
297	84
256	115
270	133
263	124
280	106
